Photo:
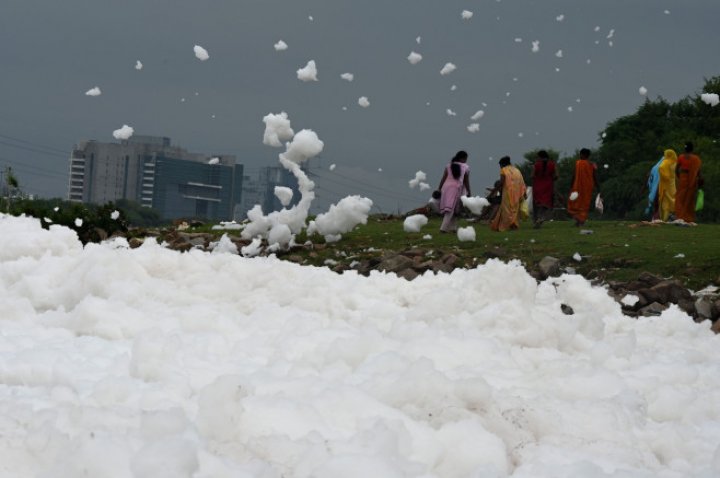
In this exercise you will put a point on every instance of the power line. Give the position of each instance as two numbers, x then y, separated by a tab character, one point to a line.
35	150
38	145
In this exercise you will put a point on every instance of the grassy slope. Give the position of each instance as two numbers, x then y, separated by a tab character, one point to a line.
615	251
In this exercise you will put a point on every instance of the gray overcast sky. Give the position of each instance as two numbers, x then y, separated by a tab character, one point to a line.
53	51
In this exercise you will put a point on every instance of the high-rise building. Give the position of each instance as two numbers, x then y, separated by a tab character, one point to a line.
151	171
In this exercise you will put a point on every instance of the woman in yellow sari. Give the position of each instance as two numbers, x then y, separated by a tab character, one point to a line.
666	187
512	186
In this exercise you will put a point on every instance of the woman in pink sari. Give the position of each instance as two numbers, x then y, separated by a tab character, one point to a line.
455	183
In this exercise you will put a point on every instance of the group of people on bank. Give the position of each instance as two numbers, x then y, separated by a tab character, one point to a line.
510	191
673	184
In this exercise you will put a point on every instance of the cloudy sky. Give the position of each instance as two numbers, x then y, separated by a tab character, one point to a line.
52	52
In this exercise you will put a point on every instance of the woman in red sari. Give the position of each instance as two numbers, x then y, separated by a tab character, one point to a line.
689	181
543	188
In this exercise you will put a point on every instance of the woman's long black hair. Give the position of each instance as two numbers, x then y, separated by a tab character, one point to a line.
455	168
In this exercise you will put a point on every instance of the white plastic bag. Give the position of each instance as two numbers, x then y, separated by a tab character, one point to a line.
529	194
599	206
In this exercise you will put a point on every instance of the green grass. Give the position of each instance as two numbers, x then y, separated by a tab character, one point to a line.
615	251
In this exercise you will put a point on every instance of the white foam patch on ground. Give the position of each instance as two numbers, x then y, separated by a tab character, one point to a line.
148	362
414	223
342	217
308	72
466	234
201	53
123	133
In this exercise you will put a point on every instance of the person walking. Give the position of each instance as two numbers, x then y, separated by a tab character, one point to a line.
513	189
454	184
544	176
583	182
689	181
666	186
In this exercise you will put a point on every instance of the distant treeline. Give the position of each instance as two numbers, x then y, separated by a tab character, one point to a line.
632	144
91	222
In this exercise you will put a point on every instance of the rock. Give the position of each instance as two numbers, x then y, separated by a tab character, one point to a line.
295	258
687	306
716	313
414	252
449	259
101	233
135	242
395	263
408	274
549	266
650	279
666	292
566	309
439	266
180	246
704	308
653	309
716	327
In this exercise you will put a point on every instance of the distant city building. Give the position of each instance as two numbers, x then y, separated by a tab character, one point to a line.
261	190
149	170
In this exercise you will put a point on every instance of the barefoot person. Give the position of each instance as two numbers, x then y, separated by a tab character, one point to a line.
512	186
583	182
543	187
455	183
689	181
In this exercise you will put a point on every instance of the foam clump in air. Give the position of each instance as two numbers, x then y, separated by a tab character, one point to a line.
308	72
363	101
347	77
642	90
277	129
420	176
123	133
466	234
201	53
414	223
574	195
284	194
711	99
280	46
473	127
93	91
466	15
448	68
414	58
138	65
475	203
214	161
